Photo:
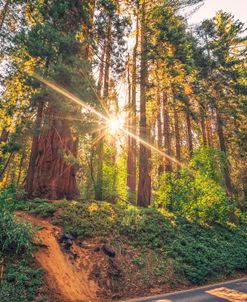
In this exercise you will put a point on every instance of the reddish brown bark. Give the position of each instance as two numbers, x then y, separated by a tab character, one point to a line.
203	129
144	184
222	145
54	173
159	128
167	134
177	137
28	184
131	159
209	131
189	134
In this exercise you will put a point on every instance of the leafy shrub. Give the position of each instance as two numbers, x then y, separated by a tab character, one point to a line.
198	252
197	193
15	236
41	207
20	282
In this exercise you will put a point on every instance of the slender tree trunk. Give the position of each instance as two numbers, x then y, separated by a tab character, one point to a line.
144	184
6	165
20	168
100	147
222	145
167	134
209	130
131	159
177	137
28	184
189	134
203	128
3	139
159	128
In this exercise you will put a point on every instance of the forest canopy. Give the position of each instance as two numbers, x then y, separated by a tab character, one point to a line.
124	101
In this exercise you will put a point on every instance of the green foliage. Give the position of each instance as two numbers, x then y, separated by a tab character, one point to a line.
198	253
15	236
197	194
41	207
20	282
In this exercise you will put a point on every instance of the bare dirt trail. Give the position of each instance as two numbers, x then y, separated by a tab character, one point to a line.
68	278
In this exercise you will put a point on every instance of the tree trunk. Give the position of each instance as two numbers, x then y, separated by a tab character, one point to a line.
209	130
167	134
144	184
177	137
54	175
203	128
131	159
159	126
189	134
222	145
3	139
28	184
100	146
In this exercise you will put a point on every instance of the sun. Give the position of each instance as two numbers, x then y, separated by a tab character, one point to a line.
115	125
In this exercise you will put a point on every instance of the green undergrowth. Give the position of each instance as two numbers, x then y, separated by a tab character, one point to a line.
198	252
20	279
40	207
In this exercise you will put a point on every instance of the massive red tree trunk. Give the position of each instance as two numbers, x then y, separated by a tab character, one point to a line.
54	170
144	184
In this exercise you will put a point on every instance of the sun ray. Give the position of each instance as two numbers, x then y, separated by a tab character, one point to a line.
103	119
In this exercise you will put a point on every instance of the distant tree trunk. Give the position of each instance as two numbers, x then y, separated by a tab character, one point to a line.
177	137
167	134
131	159
20	168
144	184
54	175
222	145
3	139
203	128
28	184
209	131
6	165
4	13
159	126
100	146
189	134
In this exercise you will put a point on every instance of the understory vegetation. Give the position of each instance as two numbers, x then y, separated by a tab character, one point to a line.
20	278
198	251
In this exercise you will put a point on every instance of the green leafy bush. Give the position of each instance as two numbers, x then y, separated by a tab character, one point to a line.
20	282
15	236
198	252
197	193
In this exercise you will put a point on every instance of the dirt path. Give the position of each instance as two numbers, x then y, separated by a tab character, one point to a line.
68	278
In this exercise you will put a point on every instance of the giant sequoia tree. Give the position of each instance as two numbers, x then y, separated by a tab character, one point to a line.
58	39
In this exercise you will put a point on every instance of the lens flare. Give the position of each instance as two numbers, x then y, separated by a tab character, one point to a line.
113	124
